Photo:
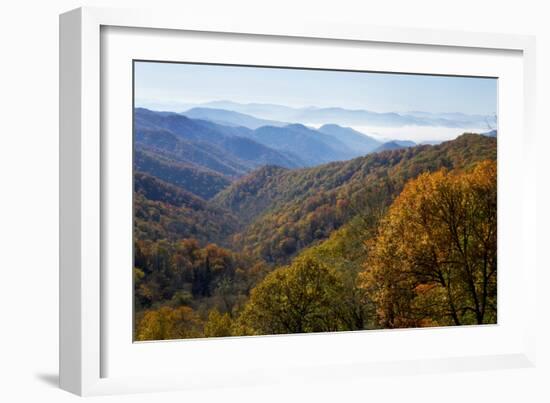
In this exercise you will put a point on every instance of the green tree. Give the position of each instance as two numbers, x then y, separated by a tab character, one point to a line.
302	297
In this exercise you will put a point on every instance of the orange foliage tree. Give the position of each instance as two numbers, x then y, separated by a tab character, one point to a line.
434	259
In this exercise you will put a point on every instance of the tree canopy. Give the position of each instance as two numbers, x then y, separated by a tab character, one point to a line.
302	297
434	259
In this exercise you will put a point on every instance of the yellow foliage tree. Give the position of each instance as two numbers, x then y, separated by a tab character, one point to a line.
217	325
434	259
169	323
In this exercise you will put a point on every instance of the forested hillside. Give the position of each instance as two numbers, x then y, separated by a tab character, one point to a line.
287	210
199	181
247	240
164	211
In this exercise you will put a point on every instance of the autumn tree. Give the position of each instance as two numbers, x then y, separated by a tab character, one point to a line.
434	259
169	323
345	251
217	325
302	297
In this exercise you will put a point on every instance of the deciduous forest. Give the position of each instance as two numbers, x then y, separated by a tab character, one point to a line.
238	231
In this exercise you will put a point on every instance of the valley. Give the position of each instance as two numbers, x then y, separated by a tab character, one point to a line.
253	225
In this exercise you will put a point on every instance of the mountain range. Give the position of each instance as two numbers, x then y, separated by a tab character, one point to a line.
360	117
206	145
230	118
177	148
273	212
205	150
357	143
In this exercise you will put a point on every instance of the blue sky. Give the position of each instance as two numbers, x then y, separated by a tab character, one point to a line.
171	84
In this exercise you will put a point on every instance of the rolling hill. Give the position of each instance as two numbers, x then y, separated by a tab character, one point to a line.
164	211
284	211
201	182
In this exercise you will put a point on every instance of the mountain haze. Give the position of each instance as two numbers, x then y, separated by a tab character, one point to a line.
227	150
359	142
233	151
229	118
393	145
360	117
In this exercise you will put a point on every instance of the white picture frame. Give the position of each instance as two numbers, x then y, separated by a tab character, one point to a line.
83	171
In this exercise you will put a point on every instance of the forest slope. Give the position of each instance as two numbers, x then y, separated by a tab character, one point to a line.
165	211
203	182
287	210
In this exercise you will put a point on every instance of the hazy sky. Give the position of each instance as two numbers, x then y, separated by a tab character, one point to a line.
172	84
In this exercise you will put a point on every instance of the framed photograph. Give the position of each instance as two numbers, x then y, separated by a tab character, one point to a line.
243	203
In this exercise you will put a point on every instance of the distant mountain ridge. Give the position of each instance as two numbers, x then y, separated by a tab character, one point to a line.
230	118
355	143
394	145
234	150
309	145
358	143
343	116
227	150
352	138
